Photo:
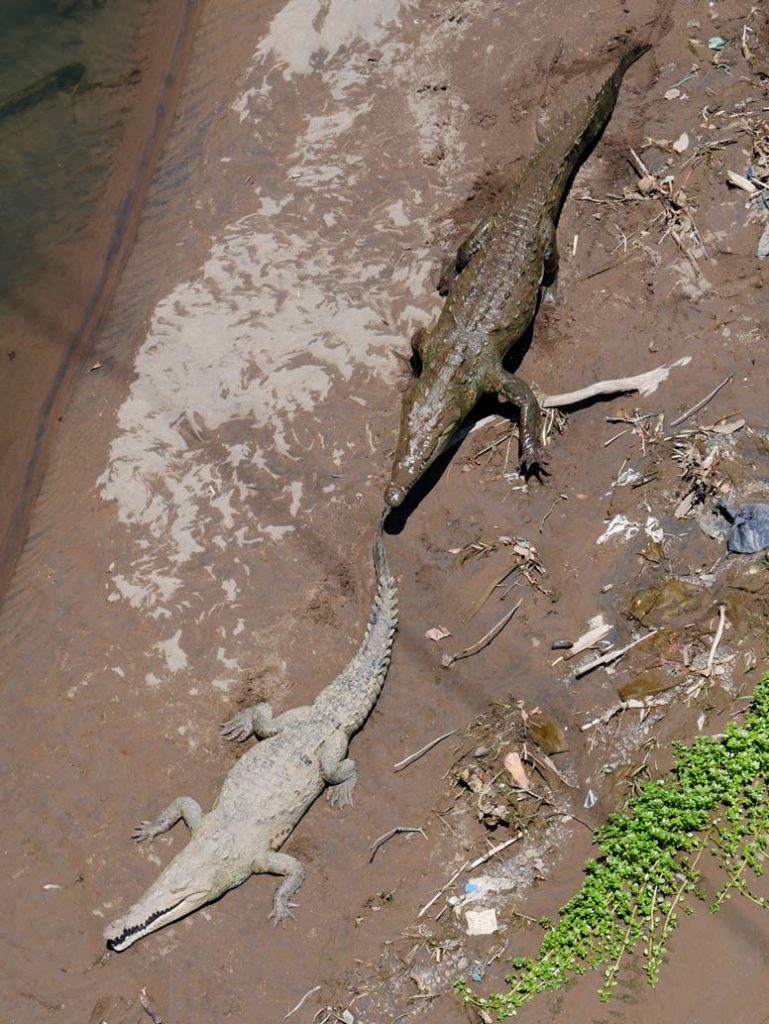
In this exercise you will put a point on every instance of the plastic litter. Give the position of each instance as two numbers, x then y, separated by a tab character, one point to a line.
590	800
750	526
716	43
763	244
478	970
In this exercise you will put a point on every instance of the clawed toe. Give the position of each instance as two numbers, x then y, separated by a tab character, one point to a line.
533	462
340	796
143	830
236	729
281	912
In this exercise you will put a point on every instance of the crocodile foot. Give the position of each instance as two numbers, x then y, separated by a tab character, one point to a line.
281	911
146	830
533	459
341	795
240	727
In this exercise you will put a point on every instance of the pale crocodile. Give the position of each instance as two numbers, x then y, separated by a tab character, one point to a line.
270	788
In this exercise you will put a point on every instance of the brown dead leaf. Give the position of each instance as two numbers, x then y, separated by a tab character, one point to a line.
646	684
514	765
547	733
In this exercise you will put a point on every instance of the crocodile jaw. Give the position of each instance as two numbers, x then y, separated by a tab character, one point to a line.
428	424
195	877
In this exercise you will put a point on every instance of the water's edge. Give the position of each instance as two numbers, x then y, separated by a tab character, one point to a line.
164	44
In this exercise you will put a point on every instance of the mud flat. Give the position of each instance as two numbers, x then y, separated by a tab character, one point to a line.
200	535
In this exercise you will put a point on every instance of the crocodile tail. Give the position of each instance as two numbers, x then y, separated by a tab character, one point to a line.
579	129
632	53
352	695
384	612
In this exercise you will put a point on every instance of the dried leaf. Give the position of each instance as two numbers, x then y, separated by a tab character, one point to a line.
547	733
646	684
699	50
739	182
682	143
437	633
514	765
727	428
149	1007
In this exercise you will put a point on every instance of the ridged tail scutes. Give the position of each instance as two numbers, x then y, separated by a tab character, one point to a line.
352	695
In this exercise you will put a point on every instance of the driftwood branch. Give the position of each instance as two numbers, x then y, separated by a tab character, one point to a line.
645	383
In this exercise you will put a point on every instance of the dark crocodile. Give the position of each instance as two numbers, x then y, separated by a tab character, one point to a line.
271	787
492	296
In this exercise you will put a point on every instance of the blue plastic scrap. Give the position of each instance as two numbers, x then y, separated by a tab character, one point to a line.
750	526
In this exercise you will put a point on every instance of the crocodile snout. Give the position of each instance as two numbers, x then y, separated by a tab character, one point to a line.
394	495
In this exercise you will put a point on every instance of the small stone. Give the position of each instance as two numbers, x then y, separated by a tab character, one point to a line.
481	922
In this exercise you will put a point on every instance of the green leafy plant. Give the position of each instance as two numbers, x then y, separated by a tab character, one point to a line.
715	799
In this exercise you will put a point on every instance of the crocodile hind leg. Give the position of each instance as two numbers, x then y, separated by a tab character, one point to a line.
516	391
338	770
256	721
184	807
282	864
453	267
550	279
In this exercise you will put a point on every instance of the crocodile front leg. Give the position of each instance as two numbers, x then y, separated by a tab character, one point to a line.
516	391
184	807
453	267
338	770
282	864
256	721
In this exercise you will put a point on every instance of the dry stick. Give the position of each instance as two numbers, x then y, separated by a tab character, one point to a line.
646	383
388	836
546	516
440	892
422	750
493	852
611	656
469	866
699	405
490	588
448	659
716	640
302	1001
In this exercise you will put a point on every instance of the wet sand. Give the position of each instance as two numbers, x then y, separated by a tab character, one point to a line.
202	534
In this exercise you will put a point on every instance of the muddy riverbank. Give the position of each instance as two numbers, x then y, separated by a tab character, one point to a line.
202	535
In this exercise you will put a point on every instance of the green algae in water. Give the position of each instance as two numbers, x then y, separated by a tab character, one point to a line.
716	799
65	96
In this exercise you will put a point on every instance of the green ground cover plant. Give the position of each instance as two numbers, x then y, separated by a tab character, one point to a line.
714	801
